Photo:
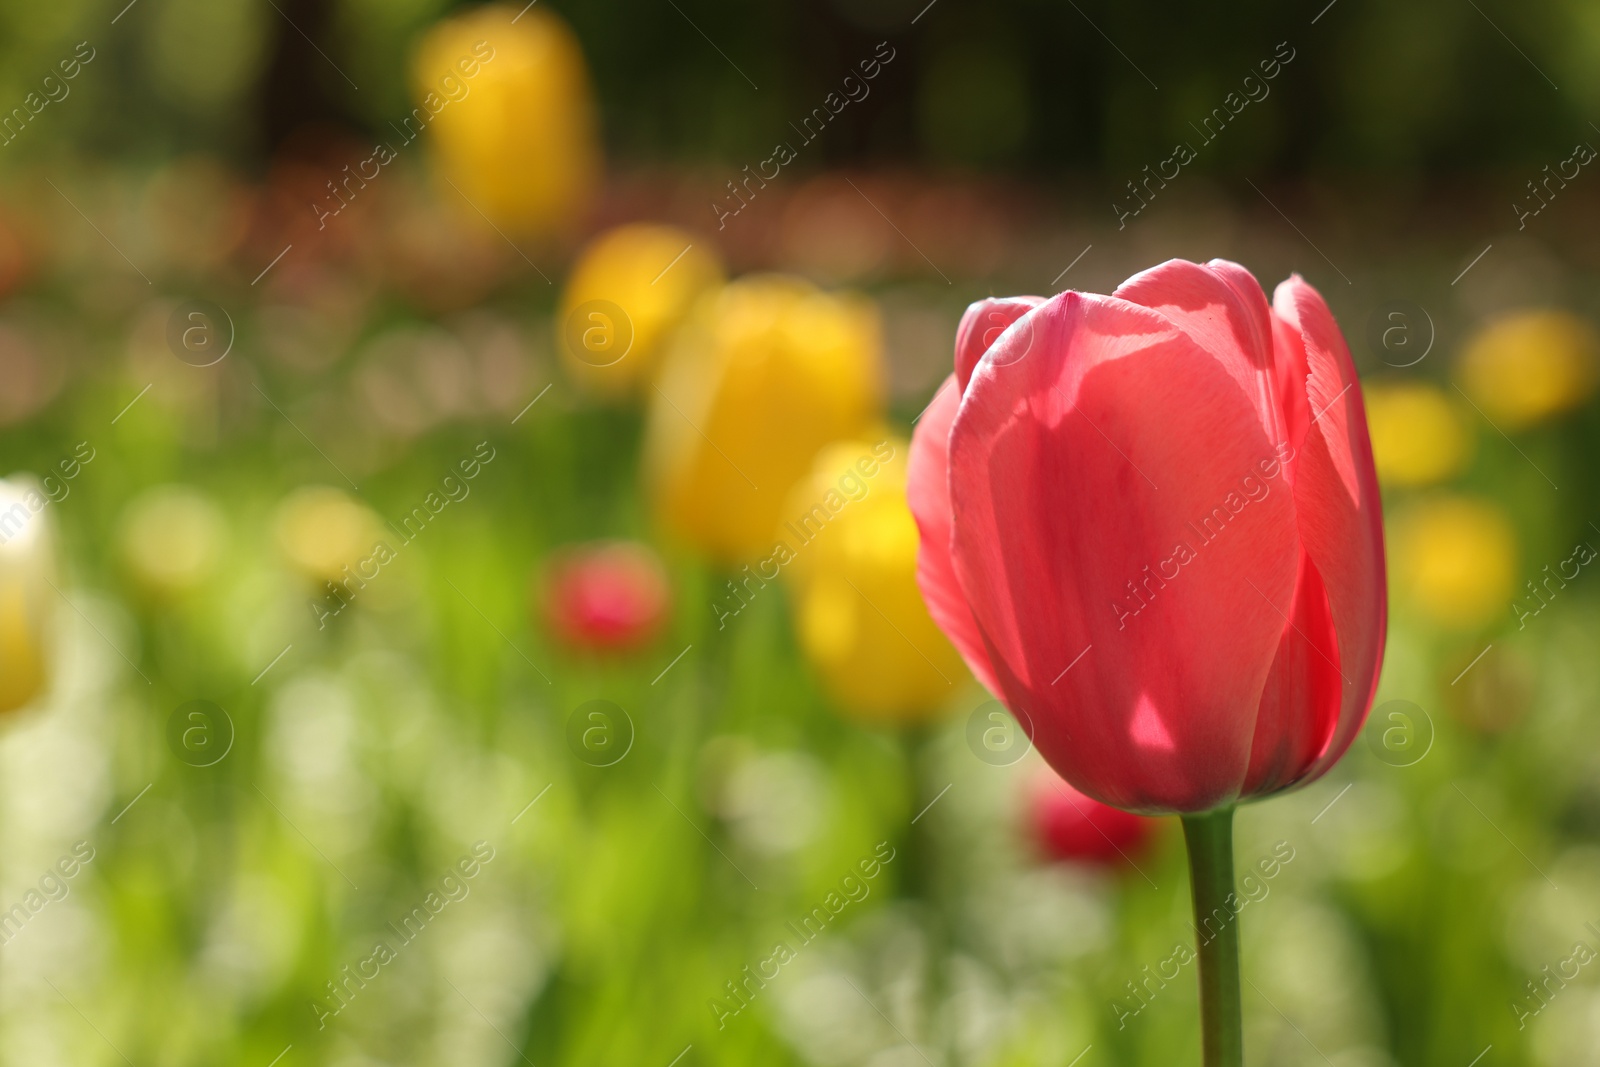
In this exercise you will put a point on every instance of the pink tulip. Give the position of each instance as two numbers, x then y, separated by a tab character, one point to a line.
1073	828
1150	524
606	596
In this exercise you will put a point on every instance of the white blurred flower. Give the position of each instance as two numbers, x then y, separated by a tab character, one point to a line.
29	1035
775	802
1309	963
1044	917
857	992
899	1056
313	744
1567	1033
252	943
493	967
1544	923
977	1011
1367	834
64	943
826	1019
54	783
469	792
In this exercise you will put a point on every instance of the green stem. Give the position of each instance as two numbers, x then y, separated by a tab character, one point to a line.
1210	840
923	882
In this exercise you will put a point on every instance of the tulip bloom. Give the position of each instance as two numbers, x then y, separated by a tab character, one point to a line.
1530	366
27	602
649	275
1456	563
853	568
325	532
1073	828
1420	434
608	596
1150	523
765	372
507	101
1175	482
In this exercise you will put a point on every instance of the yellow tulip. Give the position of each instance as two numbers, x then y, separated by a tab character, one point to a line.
27	601
1419	435
629	290
323	531
857	609
765	372
1454	559
512	115
172	539
1531	365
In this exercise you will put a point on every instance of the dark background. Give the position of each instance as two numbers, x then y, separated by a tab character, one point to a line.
1425	88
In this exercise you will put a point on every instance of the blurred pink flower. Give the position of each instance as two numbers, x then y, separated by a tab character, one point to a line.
606	595
1071	827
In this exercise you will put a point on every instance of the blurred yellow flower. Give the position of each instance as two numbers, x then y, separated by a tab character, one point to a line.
1531	365
512	115
1419	434
1454	558
857	608
322	531
27	602
628	291
171	539
765	372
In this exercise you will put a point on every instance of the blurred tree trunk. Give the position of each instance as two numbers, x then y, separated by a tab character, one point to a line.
301	89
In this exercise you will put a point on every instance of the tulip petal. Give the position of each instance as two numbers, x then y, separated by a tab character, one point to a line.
1221	307
1218	304
982	325
1289	370
1300	702
928	493
1101	512
1336	500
